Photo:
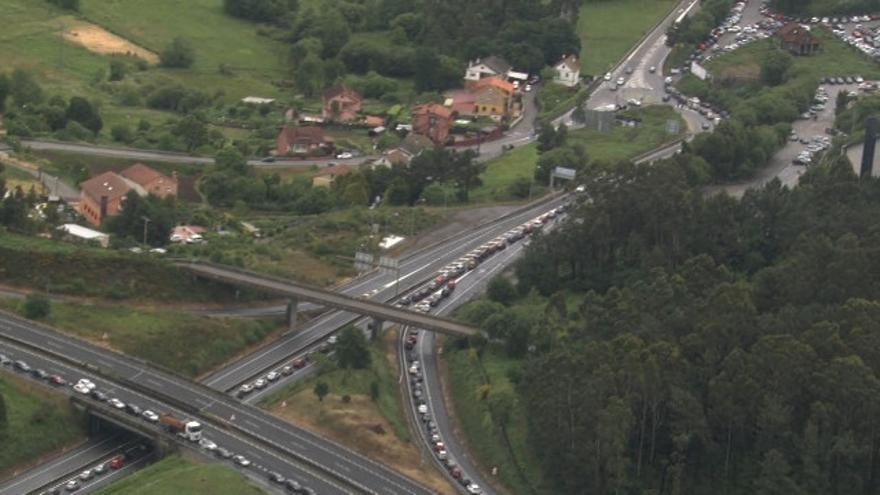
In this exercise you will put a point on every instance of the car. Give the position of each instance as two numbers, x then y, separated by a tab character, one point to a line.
438	446
150	416
423	409
223	453
287	370
5	361
39	374
84	386
705	126
245	389
272	376
117	462
442	455
293	486
332	340
620	81
52	491
276	477
455	472
86	475
474	489
298	363
71	485
133	409
57	380
652	69
21	366
241	460
528	88
207	445
345	155
268	159
99	396
308	491
627	70
118	404
607	76
260	383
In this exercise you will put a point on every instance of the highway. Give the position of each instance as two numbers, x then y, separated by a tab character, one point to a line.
324	465
414	270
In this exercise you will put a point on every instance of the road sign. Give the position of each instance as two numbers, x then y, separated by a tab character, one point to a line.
672	126
363	261
564	173
389	265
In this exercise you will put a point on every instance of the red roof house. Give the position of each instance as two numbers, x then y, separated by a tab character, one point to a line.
341	104
309	141
433	121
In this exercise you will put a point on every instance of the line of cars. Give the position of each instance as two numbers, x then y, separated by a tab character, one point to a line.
113	463
432	431
285	370
184	428
428	296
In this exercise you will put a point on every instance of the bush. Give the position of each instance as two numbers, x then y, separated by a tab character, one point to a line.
36	307
66	4
179	54
122	133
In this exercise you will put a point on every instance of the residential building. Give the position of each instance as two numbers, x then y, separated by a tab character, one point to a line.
188	234
485	67
341	104
568	71
797	39
327	175
411	147
101	197
491	102
74	232
460	101
308	140
433	121
146	180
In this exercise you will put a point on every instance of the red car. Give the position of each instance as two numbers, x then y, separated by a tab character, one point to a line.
451	284
117	462
455	472
299	363
57	380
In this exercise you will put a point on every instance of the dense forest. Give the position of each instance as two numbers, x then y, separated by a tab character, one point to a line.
826	7
722	346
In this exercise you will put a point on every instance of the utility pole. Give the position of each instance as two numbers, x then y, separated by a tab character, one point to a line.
146	221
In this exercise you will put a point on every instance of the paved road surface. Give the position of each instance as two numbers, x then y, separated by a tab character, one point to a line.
247	430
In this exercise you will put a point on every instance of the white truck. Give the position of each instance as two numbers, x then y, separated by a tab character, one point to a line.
188	429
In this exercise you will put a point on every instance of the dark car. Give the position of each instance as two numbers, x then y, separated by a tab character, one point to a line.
276	477
39	374
22	366
99	396
223	453
133	409
293	486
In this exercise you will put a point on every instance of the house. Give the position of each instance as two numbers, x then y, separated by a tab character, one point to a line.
409	148
797	39
374	121
303	141
101	197
327	175
432	121
145	181
568	71
188	234
460	101
341	104
486	67
491	102
495	82
74	232
256	100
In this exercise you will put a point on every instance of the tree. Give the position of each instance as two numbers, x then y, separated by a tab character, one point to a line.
129	223
309	75
192	131
501	290
179	54
24	89
118	68
775	67
4	91
82	111
466	172
397	193
321	390
775	476
352	351
36	306
3	419
374	391
122	133
67	4
259	10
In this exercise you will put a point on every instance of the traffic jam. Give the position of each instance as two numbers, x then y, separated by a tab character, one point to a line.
426	298
184	428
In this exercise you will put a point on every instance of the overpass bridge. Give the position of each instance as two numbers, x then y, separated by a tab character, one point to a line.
300	292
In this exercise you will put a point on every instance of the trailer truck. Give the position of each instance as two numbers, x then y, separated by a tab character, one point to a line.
188	429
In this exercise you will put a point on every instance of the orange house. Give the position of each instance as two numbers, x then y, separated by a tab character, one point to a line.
145	181
102	196
432	121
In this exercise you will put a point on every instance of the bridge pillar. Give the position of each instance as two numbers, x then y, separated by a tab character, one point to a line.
375	328
292	310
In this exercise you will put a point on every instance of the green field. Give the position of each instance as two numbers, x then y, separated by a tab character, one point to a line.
501	172
182	342
472	415
609	29
175	475
39	421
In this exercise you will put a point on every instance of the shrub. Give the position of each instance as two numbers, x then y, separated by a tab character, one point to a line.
36	306
179	54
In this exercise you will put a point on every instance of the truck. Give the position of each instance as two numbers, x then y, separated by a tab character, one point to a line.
186	428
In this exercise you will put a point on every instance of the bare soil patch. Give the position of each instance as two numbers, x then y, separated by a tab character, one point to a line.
97	39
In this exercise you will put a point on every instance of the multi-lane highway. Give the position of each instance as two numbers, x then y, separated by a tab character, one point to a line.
414	270
324	465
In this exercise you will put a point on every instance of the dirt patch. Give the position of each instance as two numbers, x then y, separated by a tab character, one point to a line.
99	40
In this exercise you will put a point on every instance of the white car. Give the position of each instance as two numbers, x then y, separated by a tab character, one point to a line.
118	404
84	386
71	485
241	461
528	88
150	416
245	389
620	81
652	69
272	376
607	76
474	489
332	340
207	445
344	155
260	383
423	409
